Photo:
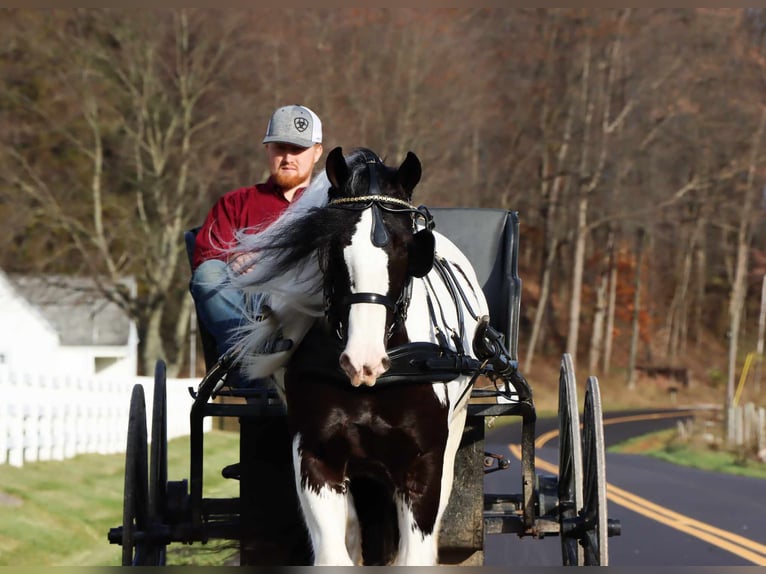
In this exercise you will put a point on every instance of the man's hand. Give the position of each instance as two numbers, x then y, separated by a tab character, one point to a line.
242	263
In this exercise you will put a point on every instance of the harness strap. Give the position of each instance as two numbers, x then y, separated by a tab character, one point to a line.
431	311
448	269
376	298
449	283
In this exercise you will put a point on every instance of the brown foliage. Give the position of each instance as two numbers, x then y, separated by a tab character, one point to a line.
488	98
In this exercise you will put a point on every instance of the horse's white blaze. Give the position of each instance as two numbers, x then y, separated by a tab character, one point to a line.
326	516
364	357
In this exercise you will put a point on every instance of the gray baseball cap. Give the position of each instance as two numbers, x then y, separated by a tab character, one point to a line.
295	125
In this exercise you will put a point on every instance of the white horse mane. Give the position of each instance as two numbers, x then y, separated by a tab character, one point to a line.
262	277
294	297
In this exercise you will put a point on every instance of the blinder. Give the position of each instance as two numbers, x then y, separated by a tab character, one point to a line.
421	253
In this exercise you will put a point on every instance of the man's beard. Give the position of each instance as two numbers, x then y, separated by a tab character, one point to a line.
289	180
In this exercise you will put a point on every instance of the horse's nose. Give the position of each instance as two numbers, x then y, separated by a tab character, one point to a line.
367	374
385	364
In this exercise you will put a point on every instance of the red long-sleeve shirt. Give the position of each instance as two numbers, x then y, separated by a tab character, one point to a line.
257	205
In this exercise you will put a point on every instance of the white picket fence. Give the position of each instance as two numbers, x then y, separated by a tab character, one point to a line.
48	417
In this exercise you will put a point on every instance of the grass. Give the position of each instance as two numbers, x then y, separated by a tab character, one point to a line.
665	445
58	513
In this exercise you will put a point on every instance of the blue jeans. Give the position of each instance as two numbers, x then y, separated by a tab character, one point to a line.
220	309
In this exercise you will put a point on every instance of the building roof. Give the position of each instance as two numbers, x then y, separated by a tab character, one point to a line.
75	308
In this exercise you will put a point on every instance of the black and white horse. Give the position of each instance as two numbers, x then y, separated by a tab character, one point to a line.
355	274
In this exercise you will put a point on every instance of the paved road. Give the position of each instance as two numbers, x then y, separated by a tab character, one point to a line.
701	518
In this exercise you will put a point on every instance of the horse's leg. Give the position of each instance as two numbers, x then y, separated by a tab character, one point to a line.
353	533
417	504
325	512
420	512
417	546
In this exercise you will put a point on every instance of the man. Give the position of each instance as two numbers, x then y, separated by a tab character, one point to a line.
293	145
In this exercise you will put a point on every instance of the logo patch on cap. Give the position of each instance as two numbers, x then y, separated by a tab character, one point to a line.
301	124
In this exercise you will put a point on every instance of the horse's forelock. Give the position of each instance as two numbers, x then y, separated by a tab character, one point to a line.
359	178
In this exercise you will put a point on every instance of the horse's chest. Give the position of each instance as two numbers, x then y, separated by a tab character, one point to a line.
385	426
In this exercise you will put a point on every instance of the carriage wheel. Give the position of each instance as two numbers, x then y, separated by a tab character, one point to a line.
135	513
570	483
158	459
594	480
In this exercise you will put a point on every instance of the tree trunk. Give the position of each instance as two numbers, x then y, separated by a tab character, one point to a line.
699	299
545	287
577	275
152	348
611	308
599	313
635	326
180	336
677	314
739	286
759	344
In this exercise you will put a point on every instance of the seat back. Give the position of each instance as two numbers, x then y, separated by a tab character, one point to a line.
209	349
489	237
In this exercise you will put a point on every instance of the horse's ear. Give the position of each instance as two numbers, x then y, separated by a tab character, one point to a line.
409	172
421	253
336	168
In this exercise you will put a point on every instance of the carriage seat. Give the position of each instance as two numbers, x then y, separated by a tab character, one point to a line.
489	237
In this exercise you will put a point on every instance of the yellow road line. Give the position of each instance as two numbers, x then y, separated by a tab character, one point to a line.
545	437
734	543
721	536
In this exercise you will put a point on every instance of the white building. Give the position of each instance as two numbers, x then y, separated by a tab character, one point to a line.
62	325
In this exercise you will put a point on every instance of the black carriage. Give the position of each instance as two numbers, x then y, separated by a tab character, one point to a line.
265	520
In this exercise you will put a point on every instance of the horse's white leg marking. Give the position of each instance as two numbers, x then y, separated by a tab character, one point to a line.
415	547
353	533
325	513
364	359
456	427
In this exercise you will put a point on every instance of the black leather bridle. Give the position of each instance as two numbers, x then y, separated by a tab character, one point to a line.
380	237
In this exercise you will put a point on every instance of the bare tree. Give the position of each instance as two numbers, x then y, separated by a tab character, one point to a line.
140	130
591	169
744	235
120	128
601	307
